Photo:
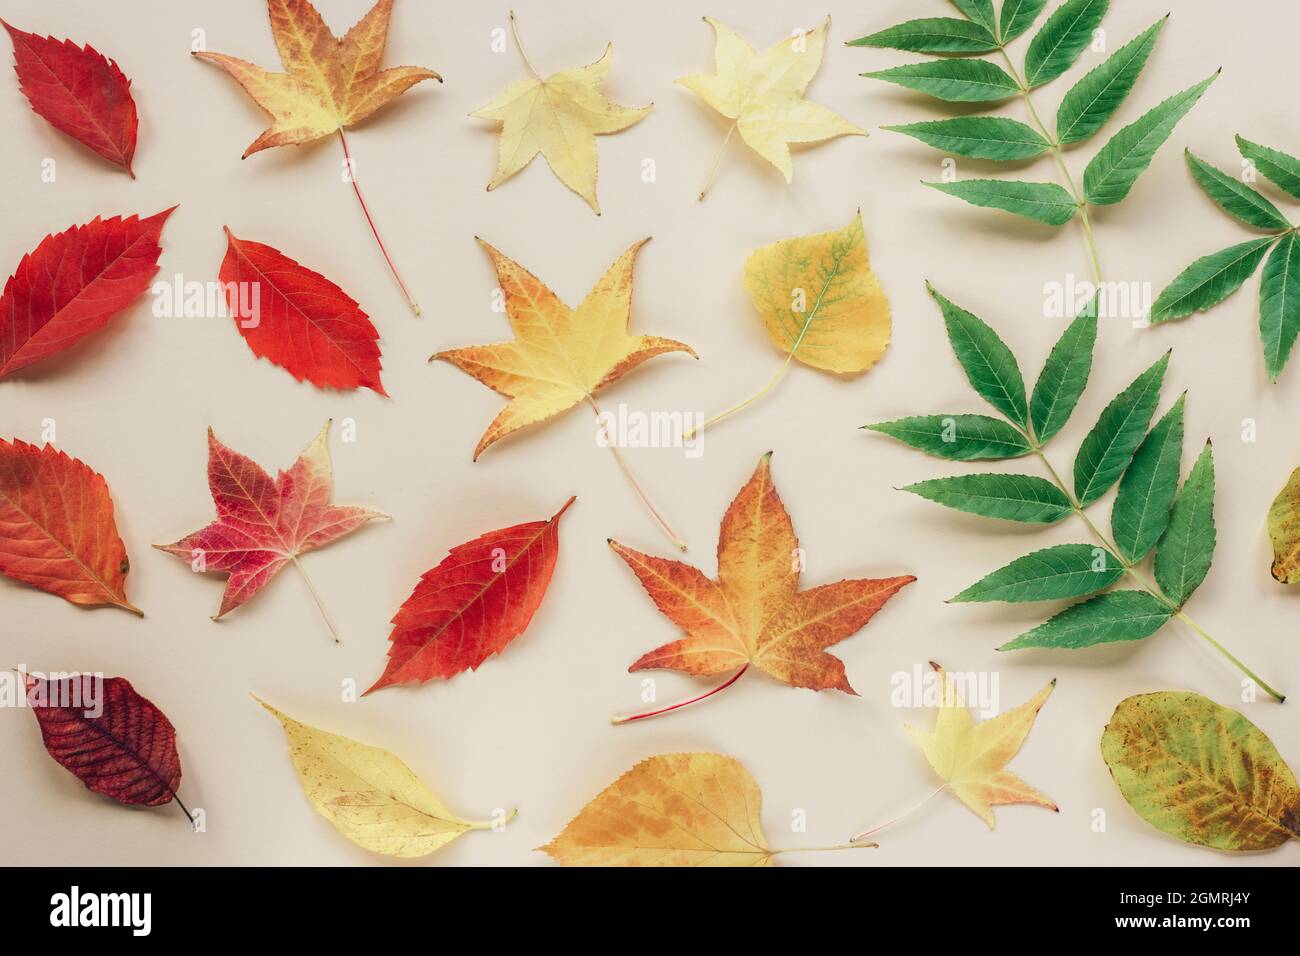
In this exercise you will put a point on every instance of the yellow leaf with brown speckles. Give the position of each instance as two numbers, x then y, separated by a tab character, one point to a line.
1284	531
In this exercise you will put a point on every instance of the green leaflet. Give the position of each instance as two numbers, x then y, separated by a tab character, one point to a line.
1209	280
1146	492
979	137
1023	498
990	367
1096	97
1063	571
1282	168
933	35
1108	448
1279	304
957	437
1201	772
1046	202
1104	619
1187	548
957	81
1235	197
1112	172
1061	39
1064	376
1018	16
981	11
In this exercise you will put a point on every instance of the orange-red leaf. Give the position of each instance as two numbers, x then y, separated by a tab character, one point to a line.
56	527
73	283
299	319
474	603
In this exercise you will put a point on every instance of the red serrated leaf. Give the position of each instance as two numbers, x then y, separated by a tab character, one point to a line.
302	321
79	92
73	283
56	527
473	604
109	737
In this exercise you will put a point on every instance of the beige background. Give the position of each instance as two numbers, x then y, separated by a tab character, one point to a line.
530	728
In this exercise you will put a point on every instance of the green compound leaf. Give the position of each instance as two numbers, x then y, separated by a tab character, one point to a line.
981	11
1282	168
1113	171
1018	16
1045	202
990	367
958	437
1061	39
933	35
1104	619
1063	571
1095	98
957	81
979	137
1201	772
1022	498
1107	449
1146	492
1279	304
1064	375
1209	280
1235	197
1187	547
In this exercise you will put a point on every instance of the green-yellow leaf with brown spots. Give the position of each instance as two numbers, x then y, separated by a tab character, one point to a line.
1284	531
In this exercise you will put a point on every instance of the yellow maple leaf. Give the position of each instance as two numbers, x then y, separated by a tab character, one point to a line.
369	795
330	83
558	117
763	94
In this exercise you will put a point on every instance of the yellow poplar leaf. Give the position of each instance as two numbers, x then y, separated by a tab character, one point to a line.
369	795
971	758
762	93
559	117
559	356
329	83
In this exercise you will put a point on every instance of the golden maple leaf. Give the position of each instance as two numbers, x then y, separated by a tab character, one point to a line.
559	356
329	83
763	94
559	117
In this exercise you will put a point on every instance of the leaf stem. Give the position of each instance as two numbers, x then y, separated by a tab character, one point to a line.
717	161
678	543
514	28
823	849
352	176
685	703
490	824
859	837
320	604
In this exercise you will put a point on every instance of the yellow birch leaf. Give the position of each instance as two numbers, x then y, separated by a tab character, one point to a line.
369	795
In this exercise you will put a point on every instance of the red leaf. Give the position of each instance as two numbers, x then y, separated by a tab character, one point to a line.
478	600
79	92
109	737
302	321
56	527
73	284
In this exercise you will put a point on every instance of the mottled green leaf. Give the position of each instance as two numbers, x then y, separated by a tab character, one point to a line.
1235	197
1187	547
1146	492
957	81
957	437
1284	531
1209	280
933	35
979	137
1018	16
1113	171
1279	304
981	11
1107	449
1063	571
1096	97
1023	498
1046	202
990	367
1064	375
1282	168
1104	619
1201	772
1061	39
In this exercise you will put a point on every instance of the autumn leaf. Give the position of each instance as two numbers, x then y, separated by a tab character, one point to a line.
560	118
299	319
264	523
109	737
47	306
1284	531
57	531
78	91
1201	772
696	809
369	795
473	604
763	95
753	613
559	357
